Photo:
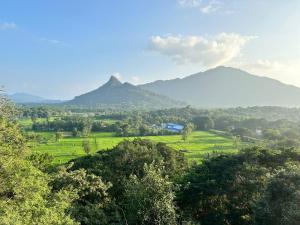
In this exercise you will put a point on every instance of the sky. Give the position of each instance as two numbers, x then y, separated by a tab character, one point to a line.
59	49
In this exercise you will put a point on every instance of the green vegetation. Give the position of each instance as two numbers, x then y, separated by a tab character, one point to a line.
141	173
199	144
246	188
25	197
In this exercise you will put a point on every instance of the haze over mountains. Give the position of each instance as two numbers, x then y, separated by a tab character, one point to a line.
227	87
116	94
24	98
218	87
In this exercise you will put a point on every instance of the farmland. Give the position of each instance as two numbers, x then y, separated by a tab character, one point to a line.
199	144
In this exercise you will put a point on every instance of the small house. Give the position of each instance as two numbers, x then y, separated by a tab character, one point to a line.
173	127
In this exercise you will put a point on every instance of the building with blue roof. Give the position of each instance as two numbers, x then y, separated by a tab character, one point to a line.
173	127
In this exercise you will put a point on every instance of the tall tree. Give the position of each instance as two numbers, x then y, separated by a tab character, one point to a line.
149	200
25	197
58	135
187	130
86	146
203	123
280	203
94	205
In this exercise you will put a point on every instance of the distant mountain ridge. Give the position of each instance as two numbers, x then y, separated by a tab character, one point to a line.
115	94
25	98
215	88
227	87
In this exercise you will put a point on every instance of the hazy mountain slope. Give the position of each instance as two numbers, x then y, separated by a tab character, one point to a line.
24	98
227	87
115	93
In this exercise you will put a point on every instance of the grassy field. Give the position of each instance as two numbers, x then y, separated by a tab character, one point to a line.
198	145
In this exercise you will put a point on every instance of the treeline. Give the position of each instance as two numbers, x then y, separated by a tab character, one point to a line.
81	126
270	113
282	132
71	123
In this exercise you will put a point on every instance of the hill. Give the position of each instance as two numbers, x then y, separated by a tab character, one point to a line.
227	87
24	98
117	94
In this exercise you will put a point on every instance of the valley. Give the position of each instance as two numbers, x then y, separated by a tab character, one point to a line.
160	112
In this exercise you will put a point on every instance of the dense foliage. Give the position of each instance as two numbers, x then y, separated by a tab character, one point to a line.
143	182
228	189
25	196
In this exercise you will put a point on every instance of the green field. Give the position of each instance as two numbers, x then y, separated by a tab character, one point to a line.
198	144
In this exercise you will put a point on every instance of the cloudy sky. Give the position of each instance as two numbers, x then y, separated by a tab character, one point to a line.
62	48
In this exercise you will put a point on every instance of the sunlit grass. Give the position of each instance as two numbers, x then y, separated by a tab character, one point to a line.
198	144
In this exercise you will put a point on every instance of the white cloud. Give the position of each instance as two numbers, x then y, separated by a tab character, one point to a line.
265	65
52	41
209	52
205	6
117	75
189	3
7	26
211	7
285	71
136	79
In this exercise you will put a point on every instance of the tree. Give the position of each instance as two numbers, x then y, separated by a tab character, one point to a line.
87	127
124	130
94	205
34	118
241	132
96	143
75	132
187	130
271	134
58	135
291	134
222	189
280	202
86	146
128	158
203	123
41	161
149	200
26	198
236	141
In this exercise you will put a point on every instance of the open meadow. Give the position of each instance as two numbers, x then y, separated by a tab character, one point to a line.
199	143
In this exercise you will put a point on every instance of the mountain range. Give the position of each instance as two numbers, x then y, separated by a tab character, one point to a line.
24	98
227	87
218	87
117	94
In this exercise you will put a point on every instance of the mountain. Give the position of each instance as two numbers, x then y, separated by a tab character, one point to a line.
117	94
227	87
24	98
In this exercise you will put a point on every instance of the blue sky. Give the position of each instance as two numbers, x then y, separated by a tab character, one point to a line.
62	48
